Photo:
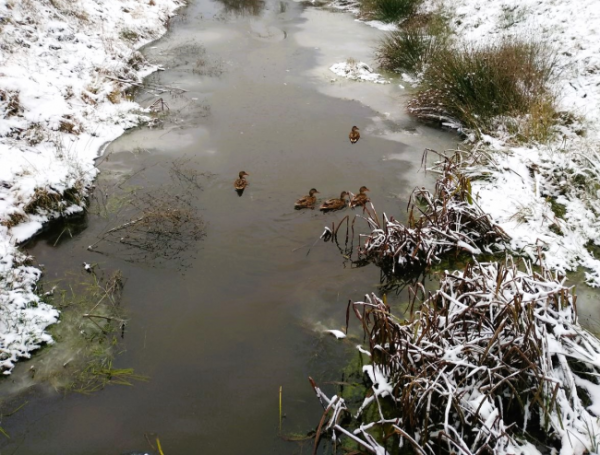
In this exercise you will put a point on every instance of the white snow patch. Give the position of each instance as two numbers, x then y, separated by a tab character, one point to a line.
358	71
337	333
61	101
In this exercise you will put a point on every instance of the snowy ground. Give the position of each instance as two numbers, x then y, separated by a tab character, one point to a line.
523	179
61	101
522	184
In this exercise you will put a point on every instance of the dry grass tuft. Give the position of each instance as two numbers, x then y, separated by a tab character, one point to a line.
390	11
10	104
476	85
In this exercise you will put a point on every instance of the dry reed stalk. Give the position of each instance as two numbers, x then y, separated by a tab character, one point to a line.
494	355
443	223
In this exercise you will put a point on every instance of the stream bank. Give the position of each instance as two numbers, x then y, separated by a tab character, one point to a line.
249	311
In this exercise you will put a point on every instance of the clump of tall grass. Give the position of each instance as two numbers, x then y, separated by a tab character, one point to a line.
389	11
476	85
406	49
412	46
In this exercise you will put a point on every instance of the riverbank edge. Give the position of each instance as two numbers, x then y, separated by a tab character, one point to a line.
64	69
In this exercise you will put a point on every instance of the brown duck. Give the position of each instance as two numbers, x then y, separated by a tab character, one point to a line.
354	135
361	198
241	183
335	204
307	202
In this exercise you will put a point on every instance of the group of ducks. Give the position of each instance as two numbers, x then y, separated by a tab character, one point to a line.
309	201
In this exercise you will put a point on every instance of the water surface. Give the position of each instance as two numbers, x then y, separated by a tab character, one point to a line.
246	313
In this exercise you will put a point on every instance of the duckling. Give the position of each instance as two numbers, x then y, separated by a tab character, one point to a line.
241	183
361	198
354	135
335	204
307	202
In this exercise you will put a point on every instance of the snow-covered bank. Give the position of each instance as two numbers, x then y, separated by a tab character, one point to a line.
523	184
62	67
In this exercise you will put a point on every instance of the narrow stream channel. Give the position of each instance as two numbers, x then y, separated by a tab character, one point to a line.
246	314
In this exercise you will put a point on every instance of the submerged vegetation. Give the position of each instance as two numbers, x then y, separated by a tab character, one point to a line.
157	225
88	336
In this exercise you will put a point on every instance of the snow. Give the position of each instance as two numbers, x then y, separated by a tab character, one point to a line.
520	181
337	333
60	102
358	71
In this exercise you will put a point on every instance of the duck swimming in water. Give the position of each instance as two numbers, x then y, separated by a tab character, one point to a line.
361	198
307	202
335	204
241	183
354	135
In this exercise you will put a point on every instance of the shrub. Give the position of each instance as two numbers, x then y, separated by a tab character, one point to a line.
389	10
475	85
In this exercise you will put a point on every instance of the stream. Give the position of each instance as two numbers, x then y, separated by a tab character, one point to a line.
242	311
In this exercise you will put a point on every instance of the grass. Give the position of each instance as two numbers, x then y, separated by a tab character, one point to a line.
129	35
406	49
389	11
92	320
478	85
412	46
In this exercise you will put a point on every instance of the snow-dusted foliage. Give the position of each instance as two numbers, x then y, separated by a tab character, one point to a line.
522	185
447	221
544	197
64	68
494	355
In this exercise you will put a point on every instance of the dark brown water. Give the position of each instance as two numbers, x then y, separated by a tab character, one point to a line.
247	315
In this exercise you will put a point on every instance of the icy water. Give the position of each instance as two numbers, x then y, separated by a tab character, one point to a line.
242	312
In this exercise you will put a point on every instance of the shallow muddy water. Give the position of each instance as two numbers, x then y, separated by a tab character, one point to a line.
243	311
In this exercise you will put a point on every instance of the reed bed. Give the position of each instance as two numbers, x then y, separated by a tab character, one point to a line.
493	359
445	222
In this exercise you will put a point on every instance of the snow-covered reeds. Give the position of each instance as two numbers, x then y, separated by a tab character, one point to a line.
495	358
444	222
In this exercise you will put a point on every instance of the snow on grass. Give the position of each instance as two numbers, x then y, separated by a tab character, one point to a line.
62	64
358	71
522	187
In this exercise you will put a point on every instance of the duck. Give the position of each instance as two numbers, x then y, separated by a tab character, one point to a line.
361	198
241	183
307	202
354	135
335	204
